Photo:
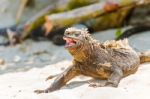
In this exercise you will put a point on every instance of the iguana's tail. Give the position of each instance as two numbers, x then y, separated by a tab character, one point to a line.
145	57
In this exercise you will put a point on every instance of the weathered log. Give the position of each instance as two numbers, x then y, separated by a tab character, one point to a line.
118	18
109	20
80	15
139	19
133	30
135	15
140	15
57	6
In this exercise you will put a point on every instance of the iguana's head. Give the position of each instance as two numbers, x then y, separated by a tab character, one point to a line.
79	43
75	38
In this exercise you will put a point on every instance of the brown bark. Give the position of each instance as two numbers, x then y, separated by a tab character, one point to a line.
82	14
109	20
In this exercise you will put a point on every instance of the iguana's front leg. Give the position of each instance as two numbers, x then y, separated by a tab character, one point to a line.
60	81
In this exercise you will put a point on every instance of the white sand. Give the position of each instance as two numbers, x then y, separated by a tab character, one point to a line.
22	84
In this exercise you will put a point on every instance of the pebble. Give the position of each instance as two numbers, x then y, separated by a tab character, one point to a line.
2	61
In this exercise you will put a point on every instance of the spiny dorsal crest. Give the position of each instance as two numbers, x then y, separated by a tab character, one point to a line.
84	31
120	44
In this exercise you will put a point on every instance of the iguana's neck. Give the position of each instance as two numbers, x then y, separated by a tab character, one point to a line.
84	52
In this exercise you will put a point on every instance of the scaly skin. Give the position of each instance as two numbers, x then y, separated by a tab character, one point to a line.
110	61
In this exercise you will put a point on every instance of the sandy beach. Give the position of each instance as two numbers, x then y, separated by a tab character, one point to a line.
21	85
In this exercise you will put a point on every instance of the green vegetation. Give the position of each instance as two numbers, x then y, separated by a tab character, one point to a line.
118	32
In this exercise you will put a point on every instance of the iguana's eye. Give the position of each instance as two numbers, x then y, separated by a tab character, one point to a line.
67	33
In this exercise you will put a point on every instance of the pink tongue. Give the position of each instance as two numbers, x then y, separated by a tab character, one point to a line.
70	42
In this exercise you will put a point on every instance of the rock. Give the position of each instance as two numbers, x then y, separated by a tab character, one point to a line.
17	58
2	61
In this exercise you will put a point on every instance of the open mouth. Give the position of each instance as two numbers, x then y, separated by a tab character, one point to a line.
69	42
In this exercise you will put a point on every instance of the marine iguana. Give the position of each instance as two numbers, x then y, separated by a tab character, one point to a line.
110	60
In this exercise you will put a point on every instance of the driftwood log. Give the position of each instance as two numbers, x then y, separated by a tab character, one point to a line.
100	16
97	17
139	19
56	7
109	20
133	30
83	14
